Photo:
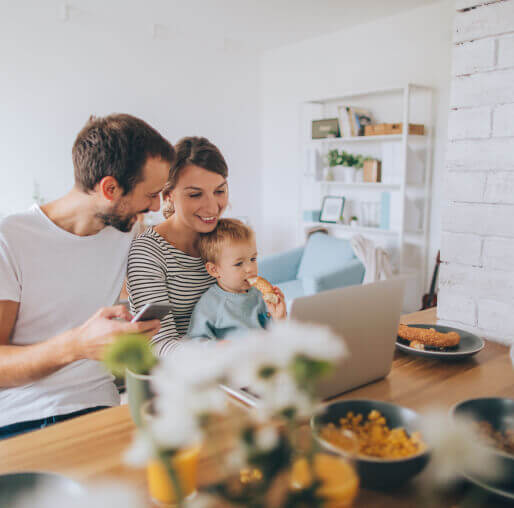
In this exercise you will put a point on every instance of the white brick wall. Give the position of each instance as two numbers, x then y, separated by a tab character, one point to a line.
471	123
486	20
499	188
462	249
476	281
502	120
484	154
464	186
474	56
506	52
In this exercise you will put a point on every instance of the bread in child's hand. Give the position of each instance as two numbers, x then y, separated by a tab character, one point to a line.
265	288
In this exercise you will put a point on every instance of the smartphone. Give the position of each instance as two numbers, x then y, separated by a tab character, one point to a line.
152	311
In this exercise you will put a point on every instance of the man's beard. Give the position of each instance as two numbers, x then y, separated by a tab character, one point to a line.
114	218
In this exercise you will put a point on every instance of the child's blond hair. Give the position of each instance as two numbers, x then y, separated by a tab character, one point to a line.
227	230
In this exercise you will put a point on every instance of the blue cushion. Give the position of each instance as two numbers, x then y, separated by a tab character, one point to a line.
292	289
281	267
324	253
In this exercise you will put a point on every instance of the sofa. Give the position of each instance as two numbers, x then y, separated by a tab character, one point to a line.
324	263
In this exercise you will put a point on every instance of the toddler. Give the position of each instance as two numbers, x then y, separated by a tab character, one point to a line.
232	304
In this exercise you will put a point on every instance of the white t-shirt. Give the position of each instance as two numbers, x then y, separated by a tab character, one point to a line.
60	280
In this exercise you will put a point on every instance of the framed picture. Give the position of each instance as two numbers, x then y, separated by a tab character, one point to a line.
332	209
325	128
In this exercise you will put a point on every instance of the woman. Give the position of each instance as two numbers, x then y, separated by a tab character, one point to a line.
164	264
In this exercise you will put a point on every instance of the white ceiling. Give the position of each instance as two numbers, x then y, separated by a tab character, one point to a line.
257	24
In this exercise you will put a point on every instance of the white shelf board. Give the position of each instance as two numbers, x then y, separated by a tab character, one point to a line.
377	91
362	185
351	229
359	139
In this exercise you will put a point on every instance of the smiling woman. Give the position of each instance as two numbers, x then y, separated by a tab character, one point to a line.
164	264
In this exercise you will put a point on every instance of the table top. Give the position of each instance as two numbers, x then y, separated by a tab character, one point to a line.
91	446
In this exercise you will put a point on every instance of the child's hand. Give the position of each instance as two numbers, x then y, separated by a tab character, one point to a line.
277	310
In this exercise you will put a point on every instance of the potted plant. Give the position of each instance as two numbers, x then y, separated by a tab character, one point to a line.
354	221
344	166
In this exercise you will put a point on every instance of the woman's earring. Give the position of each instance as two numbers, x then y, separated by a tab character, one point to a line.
168	208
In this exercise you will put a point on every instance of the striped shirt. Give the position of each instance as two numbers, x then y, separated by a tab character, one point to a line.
158	272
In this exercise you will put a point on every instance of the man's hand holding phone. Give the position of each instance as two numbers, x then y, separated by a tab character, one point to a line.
103	328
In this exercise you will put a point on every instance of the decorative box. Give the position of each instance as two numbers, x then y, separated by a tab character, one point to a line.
372	171
382	129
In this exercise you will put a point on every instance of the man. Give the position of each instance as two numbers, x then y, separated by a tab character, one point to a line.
62	267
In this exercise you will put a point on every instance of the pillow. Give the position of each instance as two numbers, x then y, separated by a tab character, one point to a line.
324	253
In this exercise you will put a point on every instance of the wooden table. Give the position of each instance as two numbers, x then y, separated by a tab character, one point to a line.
91	446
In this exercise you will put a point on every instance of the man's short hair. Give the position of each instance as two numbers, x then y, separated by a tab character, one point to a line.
117	145
227	231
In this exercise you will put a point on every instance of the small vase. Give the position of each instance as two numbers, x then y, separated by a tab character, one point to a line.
349	174
139	391
359	176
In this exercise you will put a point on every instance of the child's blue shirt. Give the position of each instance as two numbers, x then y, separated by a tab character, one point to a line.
219	313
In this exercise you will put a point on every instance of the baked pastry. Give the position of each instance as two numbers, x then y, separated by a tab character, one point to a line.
428	338
265	288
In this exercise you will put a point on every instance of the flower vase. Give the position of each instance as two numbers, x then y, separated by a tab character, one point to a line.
138	391
359	175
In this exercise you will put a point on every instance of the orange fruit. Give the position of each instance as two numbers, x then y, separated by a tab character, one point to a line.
339	482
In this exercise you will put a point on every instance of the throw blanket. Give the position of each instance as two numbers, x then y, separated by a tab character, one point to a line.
375	259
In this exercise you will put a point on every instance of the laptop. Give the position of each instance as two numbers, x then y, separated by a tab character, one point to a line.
367	316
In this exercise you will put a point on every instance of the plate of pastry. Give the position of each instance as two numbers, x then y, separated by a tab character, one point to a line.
437	341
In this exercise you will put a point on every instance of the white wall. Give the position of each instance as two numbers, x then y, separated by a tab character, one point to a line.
414	46
53	75
477	274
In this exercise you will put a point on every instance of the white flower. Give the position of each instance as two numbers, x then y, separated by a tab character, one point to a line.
314	341
193	364
175	429
266	438
282	394
278	347
456	448
141	450
104	495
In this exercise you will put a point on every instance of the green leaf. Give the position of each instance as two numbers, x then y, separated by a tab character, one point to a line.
307	371
267	372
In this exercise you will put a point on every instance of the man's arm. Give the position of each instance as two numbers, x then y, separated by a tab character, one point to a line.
20	365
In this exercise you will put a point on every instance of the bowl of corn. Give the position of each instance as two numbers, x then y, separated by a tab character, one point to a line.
381	439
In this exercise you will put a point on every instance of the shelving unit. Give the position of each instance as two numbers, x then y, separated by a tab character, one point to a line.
352	229
407	240
363	139
361	185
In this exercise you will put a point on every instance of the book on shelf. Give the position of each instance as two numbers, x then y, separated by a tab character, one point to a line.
353	120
